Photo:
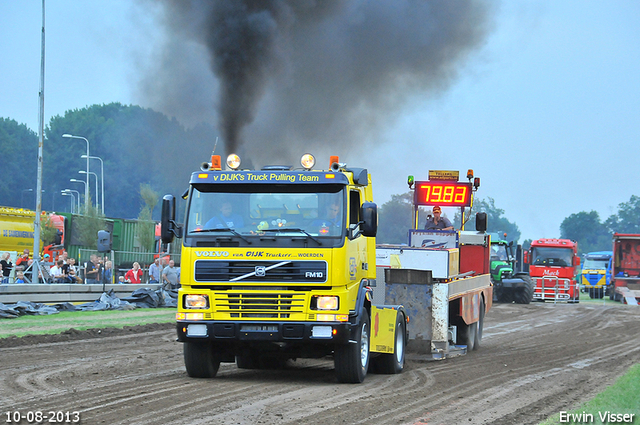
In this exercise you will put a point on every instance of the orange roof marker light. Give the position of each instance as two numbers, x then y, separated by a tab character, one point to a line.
333	159
216	162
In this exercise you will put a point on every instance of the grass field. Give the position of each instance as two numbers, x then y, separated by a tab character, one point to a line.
82	320
620	398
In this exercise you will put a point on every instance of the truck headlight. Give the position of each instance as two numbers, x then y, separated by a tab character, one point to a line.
196	301
325	302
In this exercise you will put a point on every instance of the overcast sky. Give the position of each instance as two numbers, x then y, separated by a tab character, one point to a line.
546	111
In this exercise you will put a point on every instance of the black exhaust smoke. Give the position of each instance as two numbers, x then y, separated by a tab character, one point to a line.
293	75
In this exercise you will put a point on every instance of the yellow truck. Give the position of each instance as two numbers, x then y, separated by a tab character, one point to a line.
280	264
277	264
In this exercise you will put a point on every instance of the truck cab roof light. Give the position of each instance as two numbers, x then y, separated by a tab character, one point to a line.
307	161
332	159
233	161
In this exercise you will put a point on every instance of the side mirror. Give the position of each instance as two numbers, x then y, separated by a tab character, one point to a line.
168	227
369	217
481	222
576	261
526	257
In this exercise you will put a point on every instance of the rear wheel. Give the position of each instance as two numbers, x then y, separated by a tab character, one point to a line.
351	360
202	360
393	362
478	338
467	334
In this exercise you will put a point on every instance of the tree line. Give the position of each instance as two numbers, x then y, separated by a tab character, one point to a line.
137	146
146	154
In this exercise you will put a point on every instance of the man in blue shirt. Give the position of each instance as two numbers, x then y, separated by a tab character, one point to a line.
226	219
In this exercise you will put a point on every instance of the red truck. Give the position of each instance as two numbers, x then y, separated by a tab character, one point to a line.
552	265
625	274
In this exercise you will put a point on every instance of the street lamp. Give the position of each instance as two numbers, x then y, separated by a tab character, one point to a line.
73	198
86	189
96	176
77	194
22	196
101	177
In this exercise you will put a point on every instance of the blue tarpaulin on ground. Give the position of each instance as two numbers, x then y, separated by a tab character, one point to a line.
140	298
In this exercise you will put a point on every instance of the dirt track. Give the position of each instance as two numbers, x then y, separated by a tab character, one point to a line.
535	361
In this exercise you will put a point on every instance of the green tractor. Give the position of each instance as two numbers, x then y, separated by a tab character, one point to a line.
508	285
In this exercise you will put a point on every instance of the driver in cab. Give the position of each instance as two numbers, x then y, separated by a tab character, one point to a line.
226	219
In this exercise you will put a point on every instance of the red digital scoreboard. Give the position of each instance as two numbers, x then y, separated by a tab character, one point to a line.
443	193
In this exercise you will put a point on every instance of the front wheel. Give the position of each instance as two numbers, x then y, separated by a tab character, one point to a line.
351	360
524	295
202	360
393	363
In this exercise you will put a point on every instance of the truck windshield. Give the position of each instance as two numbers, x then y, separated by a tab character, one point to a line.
266	211
595	264
543	256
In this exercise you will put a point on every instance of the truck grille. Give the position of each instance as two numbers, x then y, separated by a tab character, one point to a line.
261	271
259	305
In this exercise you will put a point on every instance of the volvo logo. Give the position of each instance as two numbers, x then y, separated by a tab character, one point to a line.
261	271
212	253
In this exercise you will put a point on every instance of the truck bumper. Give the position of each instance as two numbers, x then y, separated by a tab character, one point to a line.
308	332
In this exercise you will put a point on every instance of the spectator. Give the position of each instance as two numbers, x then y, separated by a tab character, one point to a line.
92	270
135	274
69	270
121	280
6	265
73	270
45	270
171	276
23	261
28	271
56	273
19	277
154	272
107	273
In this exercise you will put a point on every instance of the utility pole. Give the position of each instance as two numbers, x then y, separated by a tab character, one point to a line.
36	224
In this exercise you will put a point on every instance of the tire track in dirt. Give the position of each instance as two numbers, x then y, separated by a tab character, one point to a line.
535	361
